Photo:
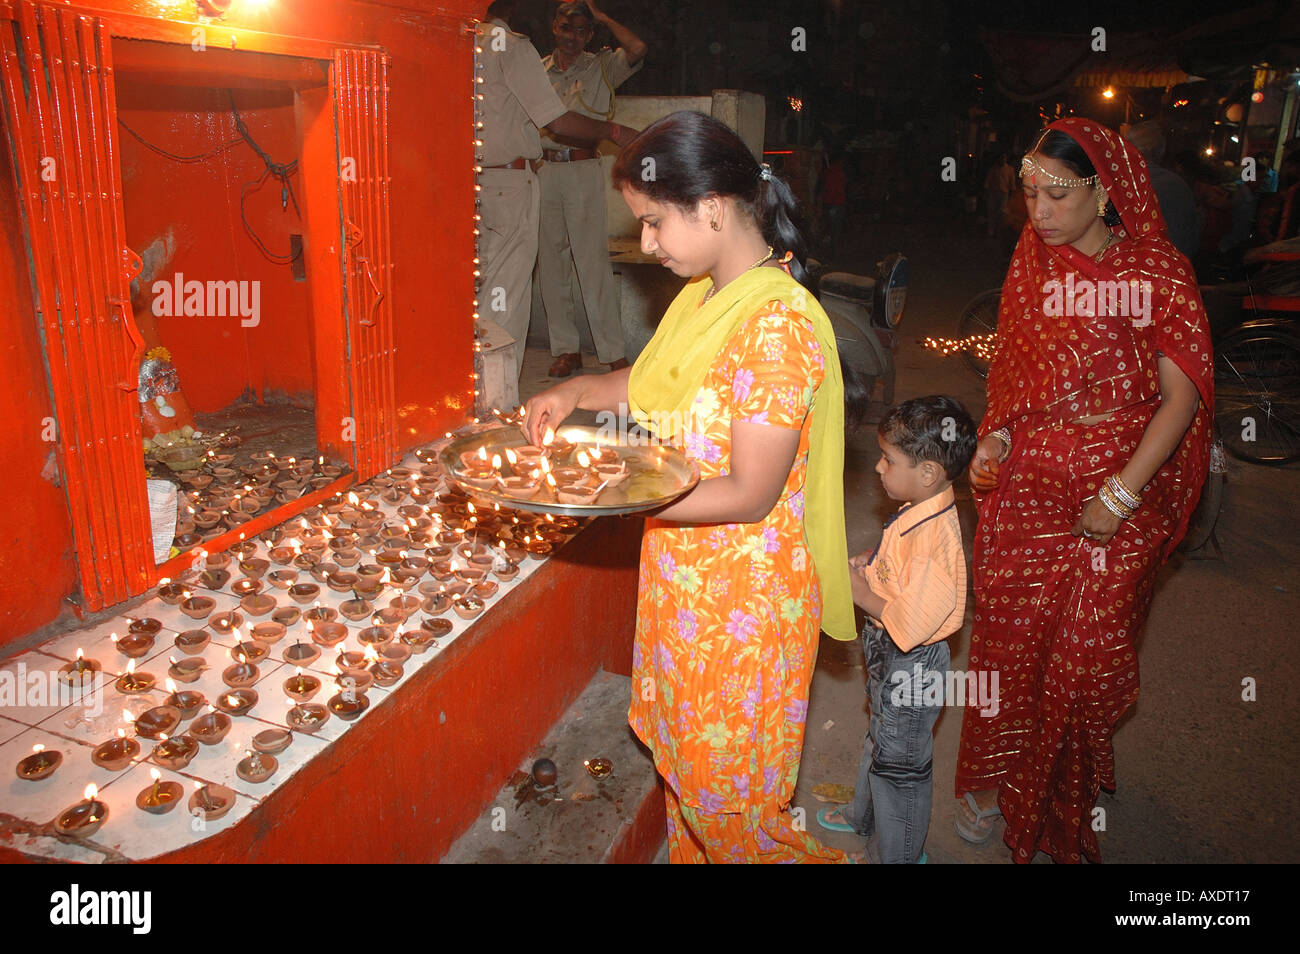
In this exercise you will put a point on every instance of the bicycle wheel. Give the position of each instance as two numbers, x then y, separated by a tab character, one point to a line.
1257	394
978	325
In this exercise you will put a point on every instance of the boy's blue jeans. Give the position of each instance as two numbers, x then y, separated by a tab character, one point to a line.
892	799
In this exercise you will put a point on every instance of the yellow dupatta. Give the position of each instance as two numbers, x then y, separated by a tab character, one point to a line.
672	368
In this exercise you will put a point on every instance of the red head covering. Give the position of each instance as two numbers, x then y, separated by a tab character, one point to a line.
1062	354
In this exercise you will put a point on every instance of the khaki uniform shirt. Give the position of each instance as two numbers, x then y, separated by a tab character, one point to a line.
585	87
517	96
919	570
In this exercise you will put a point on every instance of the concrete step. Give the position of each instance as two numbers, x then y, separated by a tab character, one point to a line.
615	820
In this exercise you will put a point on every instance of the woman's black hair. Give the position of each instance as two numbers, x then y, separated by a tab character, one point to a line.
1063	148
688	156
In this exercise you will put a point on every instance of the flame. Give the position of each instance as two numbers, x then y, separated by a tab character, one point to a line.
548	438
482	453
90	791
80	654
157	775
512	456
38	747
171	686
496	461
583	459
130	668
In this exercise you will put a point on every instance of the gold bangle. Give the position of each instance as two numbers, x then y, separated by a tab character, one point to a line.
1112	503
1116	483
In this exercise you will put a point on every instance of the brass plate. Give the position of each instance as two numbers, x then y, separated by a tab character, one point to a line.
657	474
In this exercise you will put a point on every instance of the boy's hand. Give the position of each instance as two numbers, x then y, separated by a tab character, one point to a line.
859	562
861	591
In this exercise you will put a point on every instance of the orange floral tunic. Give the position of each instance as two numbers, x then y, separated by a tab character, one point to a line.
728	614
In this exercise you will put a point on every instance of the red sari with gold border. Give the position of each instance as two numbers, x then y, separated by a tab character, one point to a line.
1056	616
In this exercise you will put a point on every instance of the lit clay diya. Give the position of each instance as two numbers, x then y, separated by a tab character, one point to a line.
257	767
576	494
80	672
115	754
272	741
40	764
322	572
175	753
84	818
301	687
187	670
172	593
304	592
504	569
485	589
187	702
599	768
539	549
258	605
389	616
198	607
321	614
307	717
223	623
157	723
249	651
241	675
301	654
192	641
242	588
328	633
347	708
160	797
236	702
211	727
132	683
212	801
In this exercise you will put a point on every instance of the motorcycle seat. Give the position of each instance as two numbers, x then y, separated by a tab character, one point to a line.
847	285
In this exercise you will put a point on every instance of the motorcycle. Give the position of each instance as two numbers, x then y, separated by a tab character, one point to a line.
865	313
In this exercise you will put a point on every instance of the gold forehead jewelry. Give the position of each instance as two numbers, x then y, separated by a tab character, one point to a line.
1028	167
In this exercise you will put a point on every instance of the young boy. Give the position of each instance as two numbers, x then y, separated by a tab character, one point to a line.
913	589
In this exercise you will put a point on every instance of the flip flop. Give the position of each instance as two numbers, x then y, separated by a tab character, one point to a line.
975	834
830	825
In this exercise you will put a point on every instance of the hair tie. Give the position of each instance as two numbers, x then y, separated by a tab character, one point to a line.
765	172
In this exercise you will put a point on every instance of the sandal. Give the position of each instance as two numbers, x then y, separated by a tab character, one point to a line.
830	825
976	834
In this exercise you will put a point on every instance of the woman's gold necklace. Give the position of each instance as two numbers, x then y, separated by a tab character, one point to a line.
770	253
1110	240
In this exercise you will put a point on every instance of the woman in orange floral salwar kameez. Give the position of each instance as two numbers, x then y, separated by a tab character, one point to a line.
739	576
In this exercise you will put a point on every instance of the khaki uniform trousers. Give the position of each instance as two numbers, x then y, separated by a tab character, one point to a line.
573	259
507	250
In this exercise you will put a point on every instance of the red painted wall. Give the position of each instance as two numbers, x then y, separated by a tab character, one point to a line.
218	357
430	162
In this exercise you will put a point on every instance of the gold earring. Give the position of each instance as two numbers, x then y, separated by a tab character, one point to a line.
1101	204
716	226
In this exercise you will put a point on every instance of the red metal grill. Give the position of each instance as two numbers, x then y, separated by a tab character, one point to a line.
359	85
60	107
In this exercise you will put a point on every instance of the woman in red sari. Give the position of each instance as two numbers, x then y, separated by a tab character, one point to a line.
1091	458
